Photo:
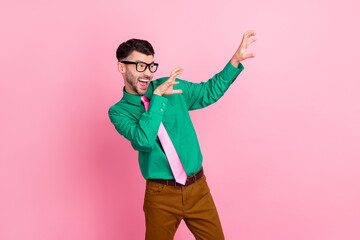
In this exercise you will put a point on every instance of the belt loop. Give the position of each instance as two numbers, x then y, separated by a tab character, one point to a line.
167	182
195	178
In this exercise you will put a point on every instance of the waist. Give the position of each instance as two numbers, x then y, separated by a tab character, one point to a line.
189	180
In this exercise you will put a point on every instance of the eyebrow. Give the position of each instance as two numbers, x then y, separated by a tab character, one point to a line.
145	62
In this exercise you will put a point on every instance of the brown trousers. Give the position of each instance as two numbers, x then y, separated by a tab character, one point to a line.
165	206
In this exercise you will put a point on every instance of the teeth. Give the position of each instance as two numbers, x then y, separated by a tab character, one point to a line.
143	80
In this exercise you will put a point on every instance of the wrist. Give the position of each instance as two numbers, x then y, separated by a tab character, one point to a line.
235	62
157	93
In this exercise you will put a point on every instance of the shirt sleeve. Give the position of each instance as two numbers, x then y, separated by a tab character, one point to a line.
142	133
200	95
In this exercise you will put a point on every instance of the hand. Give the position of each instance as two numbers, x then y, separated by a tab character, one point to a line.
241	54
166	88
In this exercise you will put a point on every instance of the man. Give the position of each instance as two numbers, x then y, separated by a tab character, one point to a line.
154	117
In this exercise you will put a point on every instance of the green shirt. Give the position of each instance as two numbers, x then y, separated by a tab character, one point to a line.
141	128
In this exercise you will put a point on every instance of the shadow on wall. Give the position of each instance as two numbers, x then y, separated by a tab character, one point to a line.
100	156
112	165
121	184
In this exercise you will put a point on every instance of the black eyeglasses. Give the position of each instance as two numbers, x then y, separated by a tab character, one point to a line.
141	66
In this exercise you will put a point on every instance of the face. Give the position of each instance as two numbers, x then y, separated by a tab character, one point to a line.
136	82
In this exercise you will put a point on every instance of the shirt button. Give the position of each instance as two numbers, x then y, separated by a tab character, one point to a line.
161	109
163	104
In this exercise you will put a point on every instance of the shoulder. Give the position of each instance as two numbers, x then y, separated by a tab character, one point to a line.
163	79
119	108
158	81
181	81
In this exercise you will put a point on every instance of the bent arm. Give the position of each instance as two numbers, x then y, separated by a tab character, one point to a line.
142	133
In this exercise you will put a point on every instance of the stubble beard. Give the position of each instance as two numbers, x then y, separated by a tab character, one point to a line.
132	80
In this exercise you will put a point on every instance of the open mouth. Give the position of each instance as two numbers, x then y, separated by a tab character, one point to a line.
143	82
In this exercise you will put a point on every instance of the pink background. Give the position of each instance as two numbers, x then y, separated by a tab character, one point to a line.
281	148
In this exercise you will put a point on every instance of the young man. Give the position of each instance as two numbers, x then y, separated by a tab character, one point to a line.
154	117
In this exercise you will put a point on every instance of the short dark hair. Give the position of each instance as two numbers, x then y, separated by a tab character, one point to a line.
126	48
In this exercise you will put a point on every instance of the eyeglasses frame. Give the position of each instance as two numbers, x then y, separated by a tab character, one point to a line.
147	65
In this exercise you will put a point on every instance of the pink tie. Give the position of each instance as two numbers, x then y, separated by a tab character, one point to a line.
169	149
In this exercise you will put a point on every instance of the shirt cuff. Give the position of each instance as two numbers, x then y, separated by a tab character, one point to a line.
231	72
157	104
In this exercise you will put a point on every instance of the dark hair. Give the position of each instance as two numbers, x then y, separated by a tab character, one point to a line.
126	48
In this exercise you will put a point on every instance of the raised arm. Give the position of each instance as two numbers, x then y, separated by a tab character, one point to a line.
200	95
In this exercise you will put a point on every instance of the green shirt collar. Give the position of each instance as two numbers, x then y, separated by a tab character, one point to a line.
136	99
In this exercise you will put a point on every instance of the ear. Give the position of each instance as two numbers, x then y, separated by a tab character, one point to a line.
121	67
